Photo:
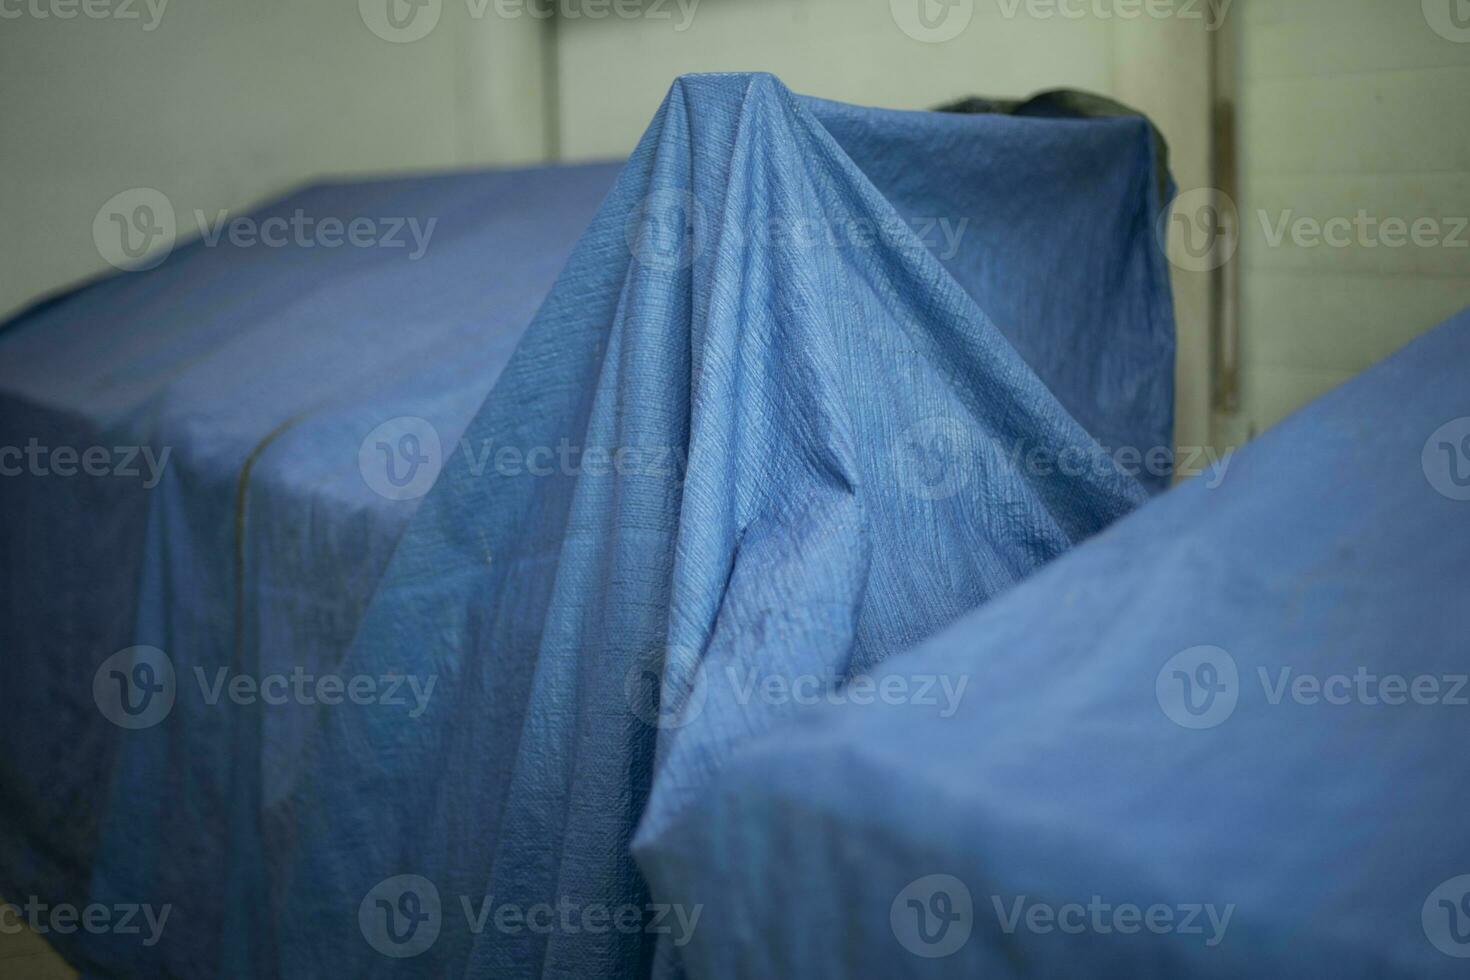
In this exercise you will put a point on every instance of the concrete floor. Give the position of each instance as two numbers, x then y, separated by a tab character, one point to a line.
26	956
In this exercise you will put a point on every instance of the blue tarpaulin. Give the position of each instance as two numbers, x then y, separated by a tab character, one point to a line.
1224	738
814	382
229	391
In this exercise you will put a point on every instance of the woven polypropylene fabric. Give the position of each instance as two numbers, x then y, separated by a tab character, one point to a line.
831	441
815	381
1239	755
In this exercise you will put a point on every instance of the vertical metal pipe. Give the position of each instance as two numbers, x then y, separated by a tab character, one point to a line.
1225	285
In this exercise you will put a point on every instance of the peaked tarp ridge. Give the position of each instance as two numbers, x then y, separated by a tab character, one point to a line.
840	417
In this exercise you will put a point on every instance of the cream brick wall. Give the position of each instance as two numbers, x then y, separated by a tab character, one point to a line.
1345	105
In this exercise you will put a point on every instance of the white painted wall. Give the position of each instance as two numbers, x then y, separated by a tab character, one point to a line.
1346	105
852	50
219	103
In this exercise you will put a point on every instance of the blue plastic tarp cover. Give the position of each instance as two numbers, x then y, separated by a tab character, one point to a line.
229	390
1224	738
814	381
